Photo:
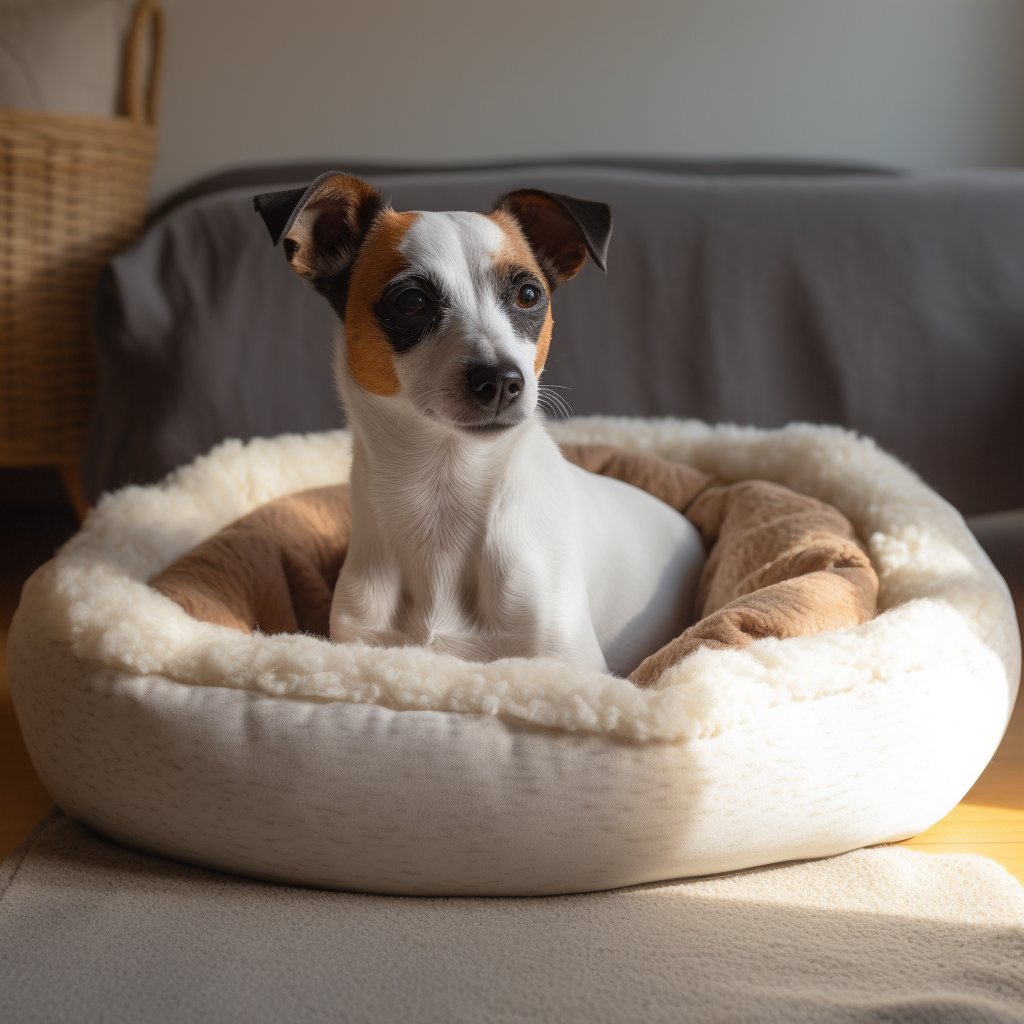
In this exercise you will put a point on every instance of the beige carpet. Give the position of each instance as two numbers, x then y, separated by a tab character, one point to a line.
92	932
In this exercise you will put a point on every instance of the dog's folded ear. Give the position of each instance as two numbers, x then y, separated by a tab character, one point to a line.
322	227
277	208
561	230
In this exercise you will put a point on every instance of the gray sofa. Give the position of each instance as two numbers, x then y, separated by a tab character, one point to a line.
889	303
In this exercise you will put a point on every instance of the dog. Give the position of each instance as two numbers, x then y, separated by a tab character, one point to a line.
471	534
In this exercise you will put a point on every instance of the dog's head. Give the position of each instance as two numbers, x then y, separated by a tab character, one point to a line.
446	313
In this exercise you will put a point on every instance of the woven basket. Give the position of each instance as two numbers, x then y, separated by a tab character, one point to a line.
72	194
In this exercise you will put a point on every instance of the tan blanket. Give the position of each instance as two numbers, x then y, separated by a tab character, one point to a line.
780	564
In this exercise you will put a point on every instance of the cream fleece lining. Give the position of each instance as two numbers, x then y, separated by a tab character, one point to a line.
942	602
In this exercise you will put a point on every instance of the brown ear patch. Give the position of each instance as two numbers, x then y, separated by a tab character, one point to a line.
560	229
330	227
368	353
554	235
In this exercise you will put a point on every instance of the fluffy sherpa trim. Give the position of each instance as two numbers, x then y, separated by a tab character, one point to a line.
942	602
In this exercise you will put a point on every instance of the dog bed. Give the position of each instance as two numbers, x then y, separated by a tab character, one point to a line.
290	758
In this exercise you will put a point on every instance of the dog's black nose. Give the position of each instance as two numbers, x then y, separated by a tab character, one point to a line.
498	384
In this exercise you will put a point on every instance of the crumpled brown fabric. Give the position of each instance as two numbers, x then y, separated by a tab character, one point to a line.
273	570
780	564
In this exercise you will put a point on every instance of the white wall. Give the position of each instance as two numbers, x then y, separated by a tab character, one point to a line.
918	83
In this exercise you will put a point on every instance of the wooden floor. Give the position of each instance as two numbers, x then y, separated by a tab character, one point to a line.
28	537
988	821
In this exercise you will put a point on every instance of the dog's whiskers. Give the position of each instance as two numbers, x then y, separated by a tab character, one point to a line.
549	399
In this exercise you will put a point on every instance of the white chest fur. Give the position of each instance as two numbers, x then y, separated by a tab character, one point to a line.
497	547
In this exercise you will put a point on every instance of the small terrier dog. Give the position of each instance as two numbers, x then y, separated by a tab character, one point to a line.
471	534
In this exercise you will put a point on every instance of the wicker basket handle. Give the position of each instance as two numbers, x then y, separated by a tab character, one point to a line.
140	98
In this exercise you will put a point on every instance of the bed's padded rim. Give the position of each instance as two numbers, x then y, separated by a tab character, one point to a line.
941	602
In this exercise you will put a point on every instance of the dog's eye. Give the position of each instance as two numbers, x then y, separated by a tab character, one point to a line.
412	303
529	295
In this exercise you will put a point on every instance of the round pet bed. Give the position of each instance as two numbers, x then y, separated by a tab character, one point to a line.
289	758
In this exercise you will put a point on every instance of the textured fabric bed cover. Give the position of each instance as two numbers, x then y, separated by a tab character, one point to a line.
892	304
92	932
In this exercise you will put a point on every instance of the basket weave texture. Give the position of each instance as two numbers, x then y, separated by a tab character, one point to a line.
72	194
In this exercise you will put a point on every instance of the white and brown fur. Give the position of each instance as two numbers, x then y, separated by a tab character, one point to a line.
471	534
